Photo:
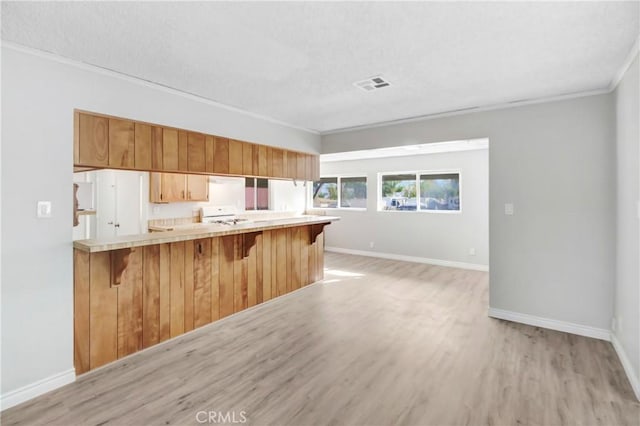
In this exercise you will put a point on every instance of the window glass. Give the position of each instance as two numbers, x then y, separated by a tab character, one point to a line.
256	194
353	192
399	192
325	193
440	191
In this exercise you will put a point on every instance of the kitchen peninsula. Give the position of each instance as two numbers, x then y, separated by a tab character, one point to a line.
134	291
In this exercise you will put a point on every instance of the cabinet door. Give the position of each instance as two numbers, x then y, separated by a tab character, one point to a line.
235	157
142	158
261	169
156	148
247	159
196	153
173	187
170	149
277	163
221	155
121	143
209	148
93	140
197	188
183	151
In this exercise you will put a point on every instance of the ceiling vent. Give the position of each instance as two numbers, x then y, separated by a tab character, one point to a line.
373	83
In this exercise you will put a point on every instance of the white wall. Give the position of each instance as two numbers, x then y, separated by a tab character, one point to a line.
431	235
627	290
555	258
38	98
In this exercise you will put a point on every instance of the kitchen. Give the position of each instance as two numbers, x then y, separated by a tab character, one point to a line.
135	289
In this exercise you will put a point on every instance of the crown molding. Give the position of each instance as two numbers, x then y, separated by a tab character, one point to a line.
464	111
631	56
146	83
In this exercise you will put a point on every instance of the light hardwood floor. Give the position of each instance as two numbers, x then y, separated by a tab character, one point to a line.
377	343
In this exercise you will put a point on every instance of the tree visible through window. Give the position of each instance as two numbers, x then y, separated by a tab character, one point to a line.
346	192
434	191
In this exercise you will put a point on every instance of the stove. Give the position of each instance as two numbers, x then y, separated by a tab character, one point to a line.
221	215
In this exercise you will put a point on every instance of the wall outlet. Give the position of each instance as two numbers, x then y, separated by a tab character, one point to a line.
472	251
508	209
613	324
156	209
371	244
44	209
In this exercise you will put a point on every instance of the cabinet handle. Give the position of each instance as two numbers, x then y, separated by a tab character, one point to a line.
109	223
182	195
189	194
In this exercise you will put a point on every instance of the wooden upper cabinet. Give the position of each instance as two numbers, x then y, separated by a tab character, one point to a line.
121	143
209	148
197	188
169	149
196	152
173	187
247	159
183	150
221	155
111	142
142	157
277	167
156	148
93	140
260	161
301	164
236	155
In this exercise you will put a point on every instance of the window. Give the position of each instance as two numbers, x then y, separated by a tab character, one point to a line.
399	192
345	192
353	192
256	194
436	191
440	191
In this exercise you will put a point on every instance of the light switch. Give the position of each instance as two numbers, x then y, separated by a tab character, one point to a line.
44	209
508	209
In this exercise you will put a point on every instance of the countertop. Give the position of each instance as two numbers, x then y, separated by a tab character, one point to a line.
196	231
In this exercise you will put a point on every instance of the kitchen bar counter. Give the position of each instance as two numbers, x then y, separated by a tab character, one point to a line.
197	231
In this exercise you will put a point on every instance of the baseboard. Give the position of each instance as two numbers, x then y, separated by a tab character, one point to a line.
551	324
626	364
414	259
40	387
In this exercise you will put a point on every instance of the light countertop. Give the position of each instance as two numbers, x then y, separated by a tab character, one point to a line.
194	231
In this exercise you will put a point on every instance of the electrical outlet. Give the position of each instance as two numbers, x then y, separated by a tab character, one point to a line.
371	244
44	209
472	251
508	209
613	324
156	209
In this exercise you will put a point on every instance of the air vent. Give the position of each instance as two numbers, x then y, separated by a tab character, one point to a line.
373	83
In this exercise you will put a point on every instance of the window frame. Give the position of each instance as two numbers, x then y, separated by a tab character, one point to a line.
338	178
418	173
255	194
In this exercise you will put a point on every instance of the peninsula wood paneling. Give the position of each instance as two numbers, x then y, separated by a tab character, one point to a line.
130	305
81	311
168	289
103	311
151	296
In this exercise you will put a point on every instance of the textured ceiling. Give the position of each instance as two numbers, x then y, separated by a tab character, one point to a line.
296	62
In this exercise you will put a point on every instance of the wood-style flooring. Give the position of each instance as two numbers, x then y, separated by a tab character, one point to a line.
377	343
